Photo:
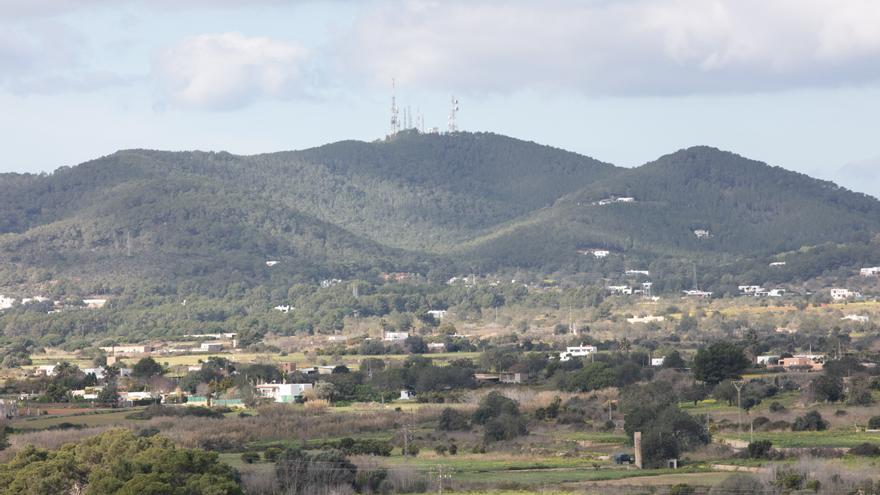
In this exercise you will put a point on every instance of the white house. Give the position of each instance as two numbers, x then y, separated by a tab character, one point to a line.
620	290
438	314
271	263
645	319
751	289
282	392
646	273
697	293
702	233
767	359
6	302
843	294
870	272
776	292
577	351
600	253
777	263
284	308
395	336
209	347
857	318
407	395
95	303
658	361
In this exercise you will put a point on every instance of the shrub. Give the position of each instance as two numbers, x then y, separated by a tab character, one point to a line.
271	454
250	457
776	407
865	449
812	421
874	423
504	427
760	449
453	420
682	489
737	483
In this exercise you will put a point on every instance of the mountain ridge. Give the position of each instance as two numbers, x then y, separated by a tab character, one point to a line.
425	203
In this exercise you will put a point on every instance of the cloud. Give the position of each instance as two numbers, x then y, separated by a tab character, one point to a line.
228	71
653	47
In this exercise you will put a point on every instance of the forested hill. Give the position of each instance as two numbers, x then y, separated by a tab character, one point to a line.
748	208
210	219
433	204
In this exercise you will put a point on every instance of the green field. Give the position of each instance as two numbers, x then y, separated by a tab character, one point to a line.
806	439
91	419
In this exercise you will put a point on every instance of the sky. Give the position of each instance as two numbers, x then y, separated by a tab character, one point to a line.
794	83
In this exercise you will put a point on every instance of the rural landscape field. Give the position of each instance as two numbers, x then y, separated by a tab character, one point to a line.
471	247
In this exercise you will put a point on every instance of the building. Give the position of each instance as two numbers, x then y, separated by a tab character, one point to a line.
407	395
658	361
599	253
702	234
128	349
751	289
288	367
8	408
6	302
395	336
436	347
646	273
209	347
776	292
815	362
777	263
271	263
645	319
620	290
870	272
767	359
701	294
577	351
844	294
284	308
437	314
95	303
857	318
283	392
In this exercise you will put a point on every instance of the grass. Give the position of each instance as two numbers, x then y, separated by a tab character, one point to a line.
807	439
91	419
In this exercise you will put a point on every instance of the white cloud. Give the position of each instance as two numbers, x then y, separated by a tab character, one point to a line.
230	70
618	47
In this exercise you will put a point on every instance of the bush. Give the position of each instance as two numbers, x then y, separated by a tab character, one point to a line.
453	420
682	489
504	427
760	449
250	457
271	454
812	421
874	423
865	449
776	407
738	483
494	405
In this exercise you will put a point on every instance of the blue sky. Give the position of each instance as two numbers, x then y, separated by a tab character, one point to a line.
795	83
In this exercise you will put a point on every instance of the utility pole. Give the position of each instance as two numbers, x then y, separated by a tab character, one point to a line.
441	477
738	384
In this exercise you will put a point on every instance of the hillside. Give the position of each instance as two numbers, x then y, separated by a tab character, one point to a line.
434	204
750	210
212	219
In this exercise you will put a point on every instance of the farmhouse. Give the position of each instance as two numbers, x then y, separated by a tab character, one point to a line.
857	318
843	294
620	290
870	272
814	361
128	349
437	314
577	351
283	392
645	319
395	336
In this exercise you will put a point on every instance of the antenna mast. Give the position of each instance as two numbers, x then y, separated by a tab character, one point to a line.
395	123
453	113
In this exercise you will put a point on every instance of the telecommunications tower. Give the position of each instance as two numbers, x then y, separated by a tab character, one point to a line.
395	122
453	113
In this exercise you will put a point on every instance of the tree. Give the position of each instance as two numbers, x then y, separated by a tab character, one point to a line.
103	464
673	360
859	393
493	405
453	420
718	362
827	388
146	368
812	421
